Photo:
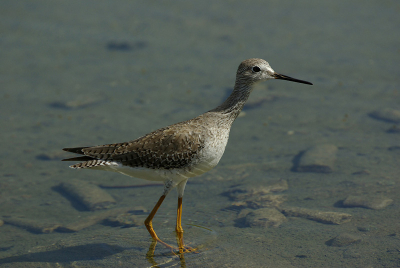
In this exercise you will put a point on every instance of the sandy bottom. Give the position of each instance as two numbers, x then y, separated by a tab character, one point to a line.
97	72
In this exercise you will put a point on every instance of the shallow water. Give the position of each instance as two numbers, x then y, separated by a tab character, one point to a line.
95	72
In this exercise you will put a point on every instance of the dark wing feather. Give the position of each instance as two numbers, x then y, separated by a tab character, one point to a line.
103	152
166	148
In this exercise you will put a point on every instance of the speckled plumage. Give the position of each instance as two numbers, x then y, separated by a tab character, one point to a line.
180	151
184	149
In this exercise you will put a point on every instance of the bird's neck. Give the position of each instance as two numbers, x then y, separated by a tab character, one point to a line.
232	106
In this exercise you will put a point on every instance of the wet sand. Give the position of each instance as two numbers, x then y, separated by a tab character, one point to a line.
96	72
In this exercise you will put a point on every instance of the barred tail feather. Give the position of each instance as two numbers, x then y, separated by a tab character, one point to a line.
93	164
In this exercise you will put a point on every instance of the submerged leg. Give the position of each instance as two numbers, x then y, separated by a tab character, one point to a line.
179	228
181	189
149	220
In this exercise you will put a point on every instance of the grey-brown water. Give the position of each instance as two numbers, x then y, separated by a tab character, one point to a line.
94	72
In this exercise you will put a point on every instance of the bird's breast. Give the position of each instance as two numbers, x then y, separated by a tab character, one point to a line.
214	147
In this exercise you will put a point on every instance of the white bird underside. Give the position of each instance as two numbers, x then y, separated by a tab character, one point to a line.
177	175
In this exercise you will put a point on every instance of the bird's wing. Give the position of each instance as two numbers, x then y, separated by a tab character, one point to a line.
171	147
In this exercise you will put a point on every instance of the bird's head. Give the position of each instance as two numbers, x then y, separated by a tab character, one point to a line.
256	70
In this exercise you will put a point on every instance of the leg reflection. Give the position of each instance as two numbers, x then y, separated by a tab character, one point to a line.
150	256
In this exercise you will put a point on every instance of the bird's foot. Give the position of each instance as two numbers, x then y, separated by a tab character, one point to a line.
187	249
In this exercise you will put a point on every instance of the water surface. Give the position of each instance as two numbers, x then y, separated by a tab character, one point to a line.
96	72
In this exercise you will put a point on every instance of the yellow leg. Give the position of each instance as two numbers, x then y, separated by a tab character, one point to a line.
179	231
149	220
149	223
179	228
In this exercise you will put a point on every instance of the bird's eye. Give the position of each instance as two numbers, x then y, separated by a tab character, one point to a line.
256	69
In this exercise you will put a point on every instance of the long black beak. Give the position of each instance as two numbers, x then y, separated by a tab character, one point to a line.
288	78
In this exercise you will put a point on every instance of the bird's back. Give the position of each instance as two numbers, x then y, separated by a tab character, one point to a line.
190	146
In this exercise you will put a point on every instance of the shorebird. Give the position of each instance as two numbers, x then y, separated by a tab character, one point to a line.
175	153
